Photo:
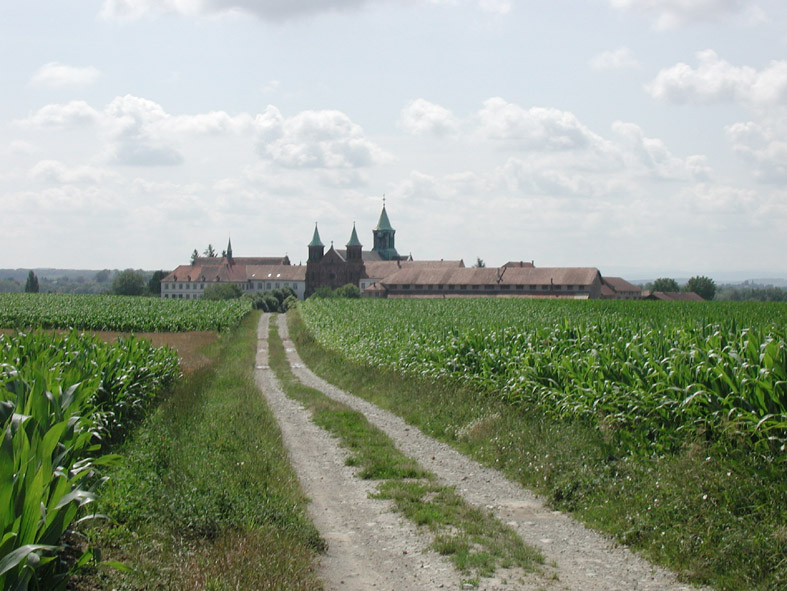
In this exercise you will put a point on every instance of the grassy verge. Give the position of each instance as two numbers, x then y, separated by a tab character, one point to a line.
475	541
716	519
205	498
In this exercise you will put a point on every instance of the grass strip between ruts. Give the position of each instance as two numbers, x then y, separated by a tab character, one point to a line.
475	541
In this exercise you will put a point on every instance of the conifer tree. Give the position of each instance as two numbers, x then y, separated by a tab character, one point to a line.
31	285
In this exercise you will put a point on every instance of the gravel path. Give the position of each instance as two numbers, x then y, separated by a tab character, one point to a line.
583	559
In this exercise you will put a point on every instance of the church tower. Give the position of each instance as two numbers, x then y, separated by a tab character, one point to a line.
354	247
316	247
229	251
384	238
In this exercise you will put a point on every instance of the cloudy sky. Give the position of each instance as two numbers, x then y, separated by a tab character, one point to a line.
642	137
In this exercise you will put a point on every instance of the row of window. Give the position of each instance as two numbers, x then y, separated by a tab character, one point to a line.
489	287
201	286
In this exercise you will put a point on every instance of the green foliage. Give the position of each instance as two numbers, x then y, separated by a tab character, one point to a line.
323	292
154	283
348	291
31	285
103	276
120	313
665	284
222	291
703	286
272	301
751	294
714	515
204	496
289	303
129	283
60	396
653	378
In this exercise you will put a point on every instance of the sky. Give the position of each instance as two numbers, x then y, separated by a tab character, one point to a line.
643	137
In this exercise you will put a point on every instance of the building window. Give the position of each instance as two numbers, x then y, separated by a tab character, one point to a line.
267	286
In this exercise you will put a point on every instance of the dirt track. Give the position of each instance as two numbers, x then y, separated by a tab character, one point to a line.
372	548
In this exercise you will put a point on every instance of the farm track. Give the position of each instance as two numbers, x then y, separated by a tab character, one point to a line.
370	547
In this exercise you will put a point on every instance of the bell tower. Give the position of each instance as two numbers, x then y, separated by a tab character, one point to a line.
384	238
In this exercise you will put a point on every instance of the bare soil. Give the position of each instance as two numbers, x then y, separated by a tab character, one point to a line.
372	548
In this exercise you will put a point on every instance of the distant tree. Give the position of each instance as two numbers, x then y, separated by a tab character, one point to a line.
323	291
703	286
270	303
194	256
348	291
222	291
290	302
479	263
209	252
129	282
224	254
31	285
103	276
665	284
154	283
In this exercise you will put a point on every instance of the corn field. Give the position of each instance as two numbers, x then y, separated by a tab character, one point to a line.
61	397
651	375
118	313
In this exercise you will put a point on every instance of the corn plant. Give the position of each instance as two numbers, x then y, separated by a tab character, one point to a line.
653	376
60	396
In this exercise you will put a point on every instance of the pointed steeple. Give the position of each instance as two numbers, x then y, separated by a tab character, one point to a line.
316	247
354	238
354	247
384	237
383	223
316	238
229	249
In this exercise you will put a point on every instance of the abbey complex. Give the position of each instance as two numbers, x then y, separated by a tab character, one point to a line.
383	273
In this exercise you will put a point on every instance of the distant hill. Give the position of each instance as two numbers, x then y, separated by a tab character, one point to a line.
61	280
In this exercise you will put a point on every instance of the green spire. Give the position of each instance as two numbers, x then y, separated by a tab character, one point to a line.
354	238
229	248
316	238
383	223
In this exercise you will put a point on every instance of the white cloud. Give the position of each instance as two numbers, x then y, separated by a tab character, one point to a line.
495	6
619	59
422	117
264	9
536	128
655	157
670	14
715	80
315	139
71	115
763	146
57	75
138	128
54	171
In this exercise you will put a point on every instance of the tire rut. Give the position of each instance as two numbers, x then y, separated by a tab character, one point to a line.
369	546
